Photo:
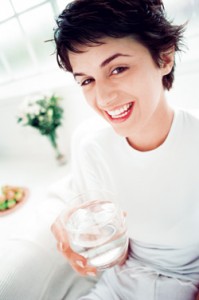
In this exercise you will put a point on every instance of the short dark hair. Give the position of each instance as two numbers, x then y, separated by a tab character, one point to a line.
84	22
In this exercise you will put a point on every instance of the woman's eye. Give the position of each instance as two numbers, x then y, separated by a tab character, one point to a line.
86	82
119	70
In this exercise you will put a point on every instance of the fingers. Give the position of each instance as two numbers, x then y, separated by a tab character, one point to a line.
59	231
124	256
61	236
83	269
78	262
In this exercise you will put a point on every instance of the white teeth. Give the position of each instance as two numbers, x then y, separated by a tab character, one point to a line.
121	112
120	116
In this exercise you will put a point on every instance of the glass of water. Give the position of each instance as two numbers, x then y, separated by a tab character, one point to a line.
96	229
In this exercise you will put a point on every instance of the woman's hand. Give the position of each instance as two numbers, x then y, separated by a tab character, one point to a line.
78	262
124	258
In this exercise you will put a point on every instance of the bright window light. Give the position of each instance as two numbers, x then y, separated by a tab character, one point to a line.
38	27
6	10
21	5
14	48
25	25
62	4
3	72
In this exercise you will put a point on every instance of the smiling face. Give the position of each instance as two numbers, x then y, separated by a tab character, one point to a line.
122	83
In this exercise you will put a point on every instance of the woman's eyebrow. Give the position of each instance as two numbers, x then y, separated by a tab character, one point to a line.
105	62
78	74
112	57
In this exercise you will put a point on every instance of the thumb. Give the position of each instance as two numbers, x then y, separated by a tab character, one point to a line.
59	231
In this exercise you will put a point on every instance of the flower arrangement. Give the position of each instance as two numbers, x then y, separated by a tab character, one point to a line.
45	114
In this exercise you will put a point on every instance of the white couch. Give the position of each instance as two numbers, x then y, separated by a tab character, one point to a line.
31	268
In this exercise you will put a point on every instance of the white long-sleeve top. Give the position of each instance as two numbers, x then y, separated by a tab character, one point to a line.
159	190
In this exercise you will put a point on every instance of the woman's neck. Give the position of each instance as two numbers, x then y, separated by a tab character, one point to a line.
154	134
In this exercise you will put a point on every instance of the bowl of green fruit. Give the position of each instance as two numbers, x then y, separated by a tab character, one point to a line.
11	198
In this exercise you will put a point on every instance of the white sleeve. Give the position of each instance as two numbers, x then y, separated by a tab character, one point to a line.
88	168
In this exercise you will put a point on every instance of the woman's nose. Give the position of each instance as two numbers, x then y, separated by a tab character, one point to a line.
105	95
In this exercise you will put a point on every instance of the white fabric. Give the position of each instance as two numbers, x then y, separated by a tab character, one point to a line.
30	272
159	189
31	268
136	281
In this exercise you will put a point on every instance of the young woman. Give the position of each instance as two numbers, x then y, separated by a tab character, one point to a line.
122	54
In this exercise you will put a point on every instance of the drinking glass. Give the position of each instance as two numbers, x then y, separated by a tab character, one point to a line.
96	229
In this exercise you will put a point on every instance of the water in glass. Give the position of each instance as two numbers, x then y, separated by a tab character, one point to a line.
97	231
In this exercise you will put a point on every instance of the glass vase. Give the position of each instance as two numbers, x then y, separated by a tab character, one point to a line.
60	157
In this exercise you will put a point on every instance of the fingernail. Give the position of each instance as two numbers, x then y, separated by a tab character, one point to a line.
61	246
91	274
80	263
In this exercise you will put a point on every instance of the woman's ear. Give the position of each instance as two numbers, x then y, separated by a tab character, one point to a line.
167	61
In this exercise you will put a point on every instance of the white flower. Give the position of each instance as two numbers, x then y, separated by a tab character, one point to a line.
30	105
33	109
41	118
42	110
50	113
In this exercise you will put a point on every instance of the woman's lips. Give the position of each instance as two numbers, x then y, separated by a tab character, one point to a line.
121	114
